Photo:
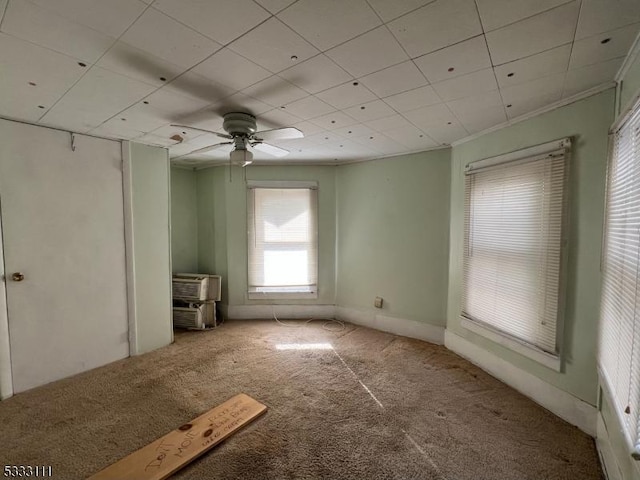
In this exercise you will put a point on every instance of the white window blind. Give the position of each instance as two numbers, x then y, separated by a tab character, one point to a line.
513	242
283	240
619	336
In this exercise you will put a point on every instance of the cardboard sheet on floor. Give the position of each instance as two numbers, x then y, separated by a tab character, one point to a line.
170	453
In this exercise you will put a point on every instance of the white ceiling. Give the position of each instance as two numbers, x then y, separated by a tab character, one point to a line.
361	78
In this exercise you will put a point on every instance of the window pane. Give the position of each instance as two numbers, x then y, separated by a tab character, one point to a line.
282	239
513	223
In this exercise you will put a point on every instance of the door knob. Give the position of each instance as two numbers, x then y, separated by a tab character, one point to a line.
17	276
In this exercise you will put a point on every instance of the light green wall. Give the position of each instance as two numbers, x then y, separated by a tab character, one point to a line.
222	220
184	221
587	122
147	176
393	221
212	225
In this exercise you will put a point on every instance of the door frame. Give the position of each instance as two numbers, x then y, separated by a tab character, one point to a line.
6	375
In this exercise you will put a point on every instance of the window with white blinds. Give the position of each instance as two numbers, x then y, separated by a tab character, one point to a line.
283	240
513	245
619	335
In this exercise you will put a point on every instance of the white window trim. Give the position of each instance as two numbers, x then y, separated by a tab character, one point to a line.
554	362
549	360
284	295
281	295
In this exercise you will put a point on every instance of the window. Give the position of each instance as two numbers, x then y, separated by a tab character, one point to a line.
513	249
619	336
283	239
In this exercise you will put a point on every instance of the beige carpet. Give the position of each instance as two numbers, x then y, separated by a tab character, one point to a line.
378	406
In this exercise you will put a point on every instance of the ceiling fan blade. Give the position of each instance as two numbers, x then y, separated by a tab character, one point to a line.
270	149
208	148
223	135
279	134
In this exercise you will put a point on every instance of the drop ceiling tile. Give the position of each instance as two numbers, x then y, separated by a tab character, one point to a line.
390	10
309	107
411	137
370	111
534	35
232	70
591	50
388	123
419	97
111	18
480	112
340	20
275	91
359	58
324	138
540	65
347	95
381	144
584	78
201	88
316	74
141	117
167	131
97	96
276	118
174	105
333	121
464	57
3	6
599	16
466	85
138	64
275	6
353	131
239	102
465	107
223	21
447	134
498	13
272	44
396	79
158	141
437	25
38	25
308	128
530	96
22	62
432	115
116	130
164	37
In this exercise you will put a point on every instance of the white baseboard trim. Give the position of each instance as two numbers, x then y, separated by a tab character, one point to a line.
605	451
575	411
395	325
250	312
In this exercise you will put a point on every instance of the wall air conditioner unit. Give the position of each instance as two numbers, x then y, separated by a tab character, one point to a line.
194	288
214	287
191	318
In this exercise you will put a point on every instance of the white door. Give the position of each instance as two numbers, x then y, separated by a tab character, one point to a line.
63	229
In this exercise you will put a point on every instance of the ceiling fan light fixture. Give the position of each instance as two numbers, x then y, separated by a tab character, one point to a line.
241	157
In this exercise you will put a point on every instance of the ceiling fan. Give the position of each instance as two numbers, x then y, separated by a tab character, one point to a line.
242	134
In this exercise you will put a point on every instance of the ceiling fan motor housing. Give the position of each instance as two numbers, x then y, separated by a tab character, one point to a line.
236	123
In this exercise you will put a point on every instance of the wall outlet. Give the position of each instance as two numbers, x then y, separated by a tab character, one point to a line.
377	302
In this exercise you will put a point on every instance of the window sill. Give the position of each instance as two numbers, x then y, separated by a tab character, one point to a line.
282	295
553	362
